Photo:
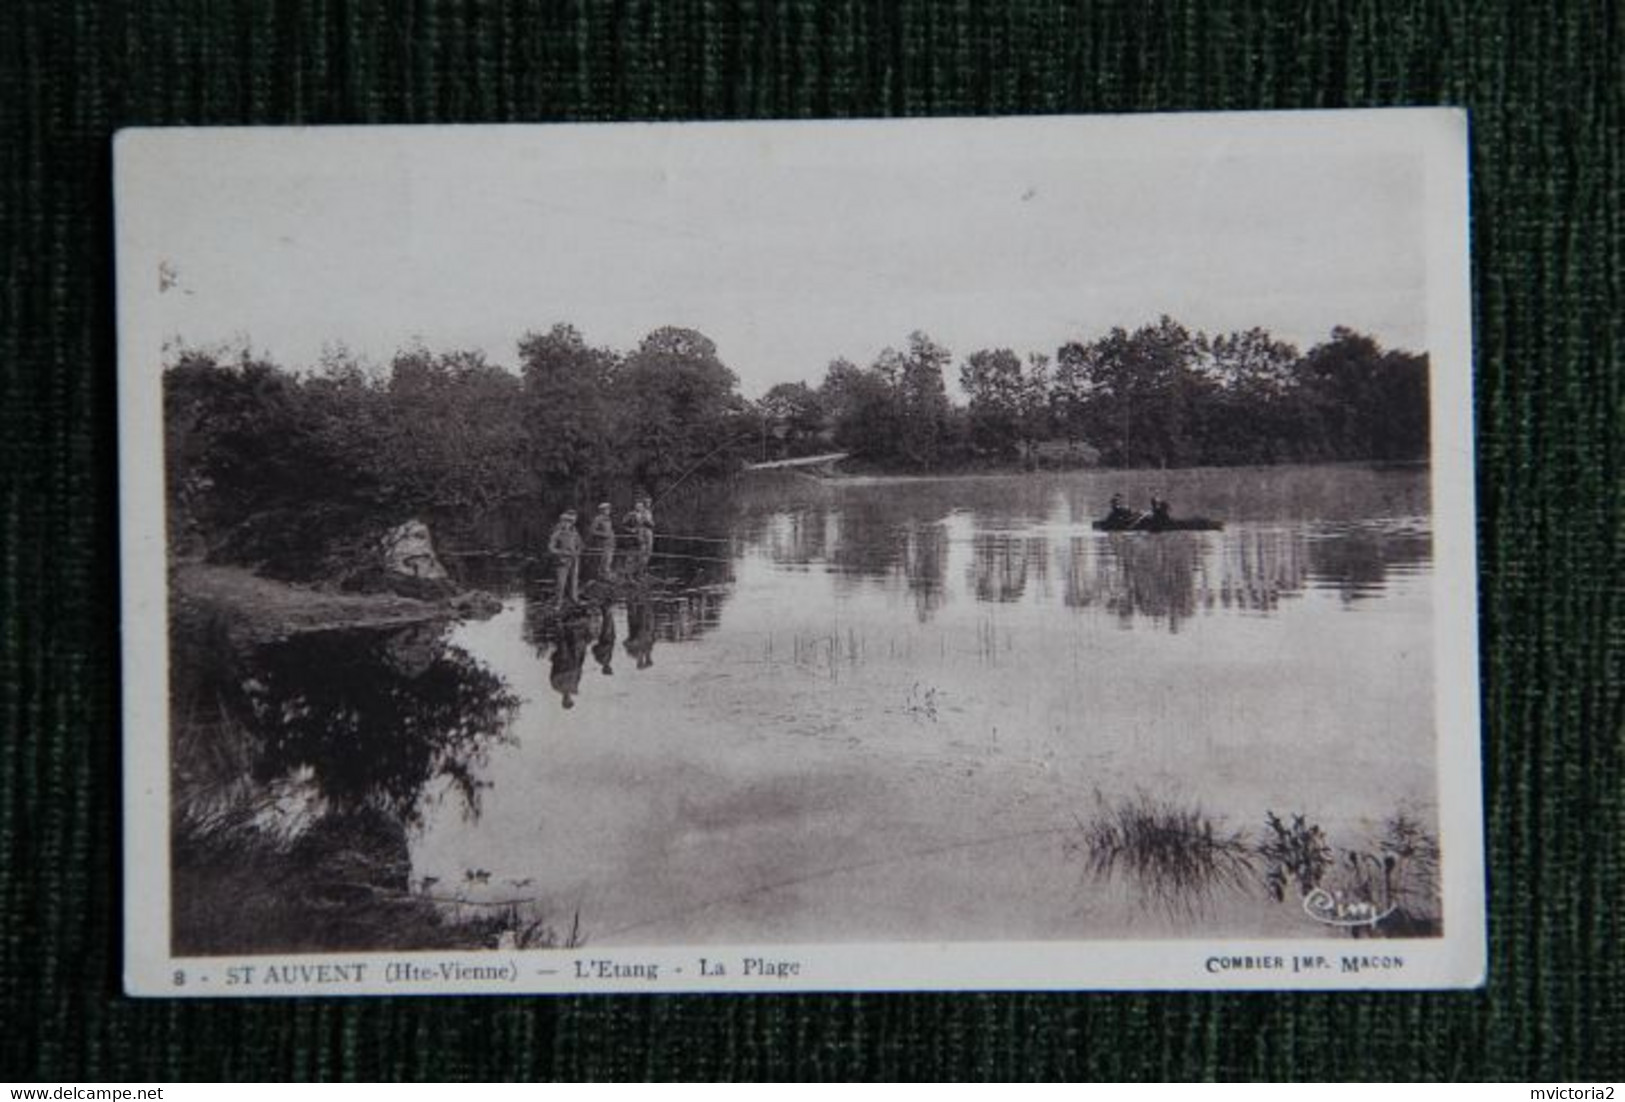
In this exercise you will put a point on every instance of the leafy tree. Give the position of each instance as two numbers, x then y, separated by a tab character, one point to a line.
1256	412
1073	390
1142	394
993	383
1036	421
1367	403
862	410
246	444
795	414
922	399
570	432
455	436
680	408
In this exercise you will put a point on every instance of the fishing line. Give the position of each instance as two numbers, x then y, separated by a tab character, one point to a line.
690	558
701	463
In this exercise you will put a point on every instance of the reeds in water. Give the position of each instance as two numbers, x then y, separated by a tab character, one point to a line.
1177	855
1180	857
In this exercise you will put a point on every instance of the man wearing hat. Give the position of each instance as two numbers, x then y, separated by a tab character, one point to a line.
602	534
565	547
640	525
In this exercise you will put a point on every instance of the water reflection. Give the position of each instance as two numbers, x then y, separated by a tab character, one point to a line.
1172	576
375	717
904	539
565	641
1155	577
1258	567
998	569
924	561
1357	560
301	773
867	539
640	632
1163	578
569	654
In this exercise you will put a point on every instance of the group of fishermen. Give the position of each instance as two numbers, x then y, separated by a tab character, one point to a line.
566	547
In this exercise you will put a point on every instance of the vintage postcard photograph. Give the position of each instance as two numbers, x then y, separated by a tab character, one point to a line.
936	554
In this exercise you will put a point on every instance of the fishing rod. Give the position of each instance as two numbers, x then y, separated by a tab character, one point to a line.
684	477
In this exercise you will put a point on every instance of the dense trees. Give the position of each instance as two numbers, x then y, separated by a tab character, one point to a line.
993	382
678	409
271	465
1161	395
561	373
287	469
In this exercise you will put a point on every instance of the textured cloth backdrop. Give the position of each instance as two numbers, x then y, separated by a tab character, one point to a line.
1545	84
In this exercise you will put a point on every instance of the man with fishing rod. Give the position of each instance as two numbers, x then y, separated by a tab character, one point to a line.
564	544
602	534
640	530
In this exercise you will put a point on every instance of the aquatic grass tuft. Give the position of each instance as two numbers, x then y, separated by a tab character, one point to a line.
1177	854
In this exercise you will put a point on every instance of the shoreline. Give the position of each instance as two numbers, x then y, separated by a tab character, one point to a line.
990	474
250	610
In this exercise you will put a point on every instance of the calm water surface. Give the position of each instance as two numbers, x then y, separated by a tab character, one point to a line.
882	709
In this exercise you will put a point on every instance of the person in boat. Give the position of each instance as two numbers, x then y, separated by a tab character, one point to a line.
565	547
1160	510
601	533
1119	513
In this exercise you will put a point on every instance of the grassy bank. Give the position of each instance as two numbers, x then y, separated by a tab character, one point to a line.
250	610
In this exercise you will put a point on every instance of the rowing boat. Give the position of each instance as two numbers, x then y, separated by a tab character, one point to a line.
1144	522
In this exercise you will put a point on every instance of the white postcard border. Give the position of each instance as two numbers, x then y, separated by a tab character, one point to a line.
143	159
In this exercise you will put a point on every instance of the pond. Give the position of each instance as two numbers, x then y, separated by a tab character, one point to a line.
911	709
860	709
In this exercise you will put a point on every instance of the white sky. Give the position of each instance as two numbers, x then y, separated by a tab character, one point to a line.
787	244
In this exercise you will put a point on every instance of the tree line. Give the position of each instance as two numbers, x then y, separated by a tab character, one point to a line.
288	469
278	466
1158	396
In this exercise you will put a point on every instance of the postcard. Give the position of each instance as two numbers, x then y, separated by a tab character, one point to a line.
1019	553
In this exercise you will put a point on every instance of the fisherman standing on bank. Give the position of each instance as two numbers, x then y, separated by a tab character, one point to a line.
602	534
640	525
565	547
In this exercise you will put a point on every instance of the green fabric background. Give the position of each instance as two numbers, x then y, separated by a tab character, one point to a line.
1545	84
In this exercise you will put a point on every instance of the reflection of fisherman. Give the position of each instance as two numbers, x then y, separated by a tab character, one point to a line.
603	651
565	547
640	528
640	632
602	534
569	655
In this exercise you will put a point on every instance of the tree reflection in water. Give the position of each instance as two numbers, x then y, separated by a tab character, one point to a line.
1171	576
924	549
1001	564
299	770
1151	577
375	717
1357	560
869	540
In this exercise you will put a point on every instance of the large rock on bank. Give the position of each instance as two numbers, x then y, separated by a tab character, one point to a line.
408	565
